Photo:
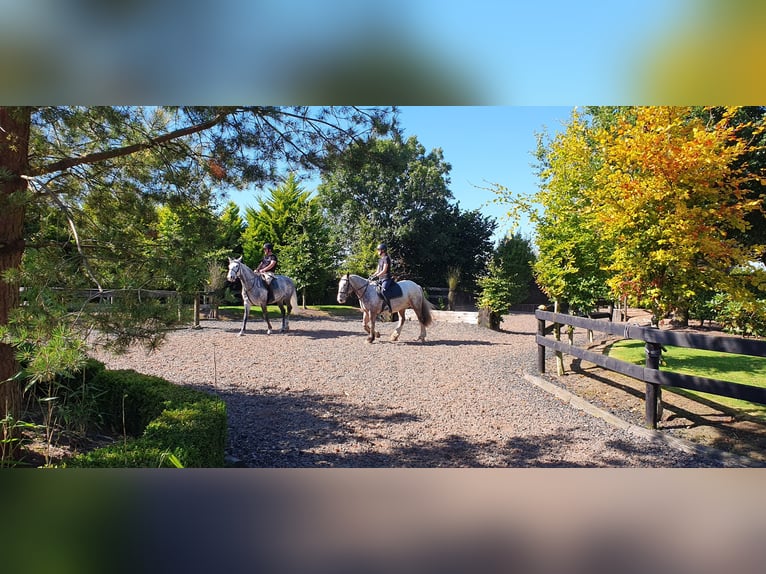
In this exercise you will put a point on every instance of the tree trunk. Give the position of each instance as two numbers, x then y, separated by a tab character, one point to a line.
14	162
489	319
681	316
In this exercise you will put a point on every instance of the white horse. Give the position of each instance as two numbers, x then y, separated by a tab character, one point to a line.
256	292
371	303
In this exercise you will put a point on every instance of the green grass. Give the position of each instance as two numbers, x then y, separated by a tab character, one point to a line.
237	310
337	310
273	310
742	369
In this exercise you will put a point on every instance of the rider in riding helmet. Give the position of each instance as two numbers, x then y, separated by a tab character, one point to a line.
383	273
268	265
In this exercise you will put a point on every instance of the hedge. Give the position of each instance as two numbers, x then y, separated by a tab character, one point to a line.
155	419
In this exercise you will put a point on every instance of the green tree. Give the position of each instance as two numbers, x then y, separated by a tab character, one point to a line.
508	278
291	219
391	190
515	258
571	253
186	241
232	226
54	158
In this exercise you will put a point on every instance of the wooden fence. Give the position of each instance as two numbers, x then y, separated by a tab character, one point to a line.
201	301
651	374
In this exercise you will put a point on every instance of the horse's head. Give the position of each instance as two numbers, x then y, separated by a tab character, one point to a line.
343	289
234	264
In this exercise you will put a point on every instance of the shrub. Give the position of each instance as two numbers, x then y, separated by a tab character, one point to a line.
156	419
742	318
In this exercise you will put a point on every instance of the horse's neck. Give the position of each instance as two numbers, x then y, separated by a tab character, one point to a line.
357	282
248	274
250	279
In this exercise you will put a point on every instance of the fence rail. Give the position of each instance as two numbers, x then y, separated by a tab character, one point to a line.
651	374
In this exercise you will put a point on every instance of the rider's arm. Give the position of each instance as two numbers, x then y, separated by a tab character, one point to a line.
268	267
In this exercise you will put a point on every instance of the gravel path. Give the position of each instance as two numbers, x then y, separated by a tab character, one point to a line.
322	396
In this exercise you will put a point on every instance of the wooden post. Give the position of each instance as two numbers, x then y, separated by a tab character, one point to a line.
557	333
541	348
653	390
196	311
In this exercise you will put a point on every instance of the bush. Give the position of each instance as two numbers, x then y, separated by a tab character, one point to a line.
741	318
157	419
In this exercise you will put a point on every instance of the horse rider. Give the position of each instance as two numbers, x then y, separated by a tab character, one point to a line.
268	265
383	273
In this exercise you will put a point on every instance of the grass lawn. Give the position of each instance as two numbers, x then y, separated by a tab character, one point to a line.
337	310
273	310
742	369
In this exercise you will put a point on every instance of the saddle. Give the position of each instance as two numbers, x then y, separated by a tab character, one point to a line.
394	290
268	287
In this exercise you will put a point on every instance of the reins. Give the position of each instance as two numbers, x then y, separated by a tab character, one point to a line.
242	277
350	284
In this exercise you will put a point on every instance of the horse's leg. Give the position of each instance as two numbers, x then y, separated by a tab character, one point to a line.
265	312
417	306
422	336
366	321
422	321
371	336
244	317
285	324
398	330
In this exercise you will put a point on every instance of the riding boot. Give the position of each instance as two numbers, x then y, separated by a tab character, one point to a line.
387	303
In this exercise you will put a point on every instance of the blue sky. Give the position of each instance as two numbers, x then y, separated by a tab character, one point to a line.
485	146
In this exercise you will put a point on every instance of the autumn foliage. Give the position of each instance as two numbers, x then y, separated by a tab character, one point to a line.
651	202
668	195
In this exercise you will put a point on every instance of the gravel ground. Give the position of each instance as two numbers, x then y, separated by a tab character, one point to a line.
321	396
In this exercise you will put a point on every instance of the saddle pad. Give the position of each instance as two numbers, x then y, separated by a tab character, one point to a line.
394	291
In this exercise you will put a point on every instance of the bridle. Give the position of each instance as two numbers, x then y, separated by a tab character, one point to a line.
344	292
238	275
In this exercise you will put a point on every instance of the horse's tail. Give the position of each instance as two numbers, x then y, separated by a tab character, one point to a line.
425	310
293	296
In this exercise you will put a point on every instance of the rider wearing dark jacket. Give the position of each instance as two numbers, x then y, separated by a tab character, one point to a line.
267	267
383	273
268	264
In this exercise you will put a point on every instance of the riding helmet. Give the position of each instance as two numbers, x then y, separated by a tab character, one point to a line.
268	246
382	247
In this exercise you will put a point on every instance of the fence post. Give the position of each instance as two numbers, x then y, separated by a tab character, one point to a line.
196	310
541	348
557	333
653	390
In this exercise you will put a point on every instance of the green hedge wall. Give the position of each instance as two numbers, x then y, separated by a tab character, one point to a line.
156	419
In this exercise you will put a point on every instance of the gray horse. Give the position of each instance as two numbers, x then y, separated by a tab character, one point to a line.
411	297
255	292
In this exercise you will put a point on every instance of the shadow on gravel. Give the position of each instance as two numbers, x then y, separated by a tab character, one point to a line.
326	334
293	429
450	343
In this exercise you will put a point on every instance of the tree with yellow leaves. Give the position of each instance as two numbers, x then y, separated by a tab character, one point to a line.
669	194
